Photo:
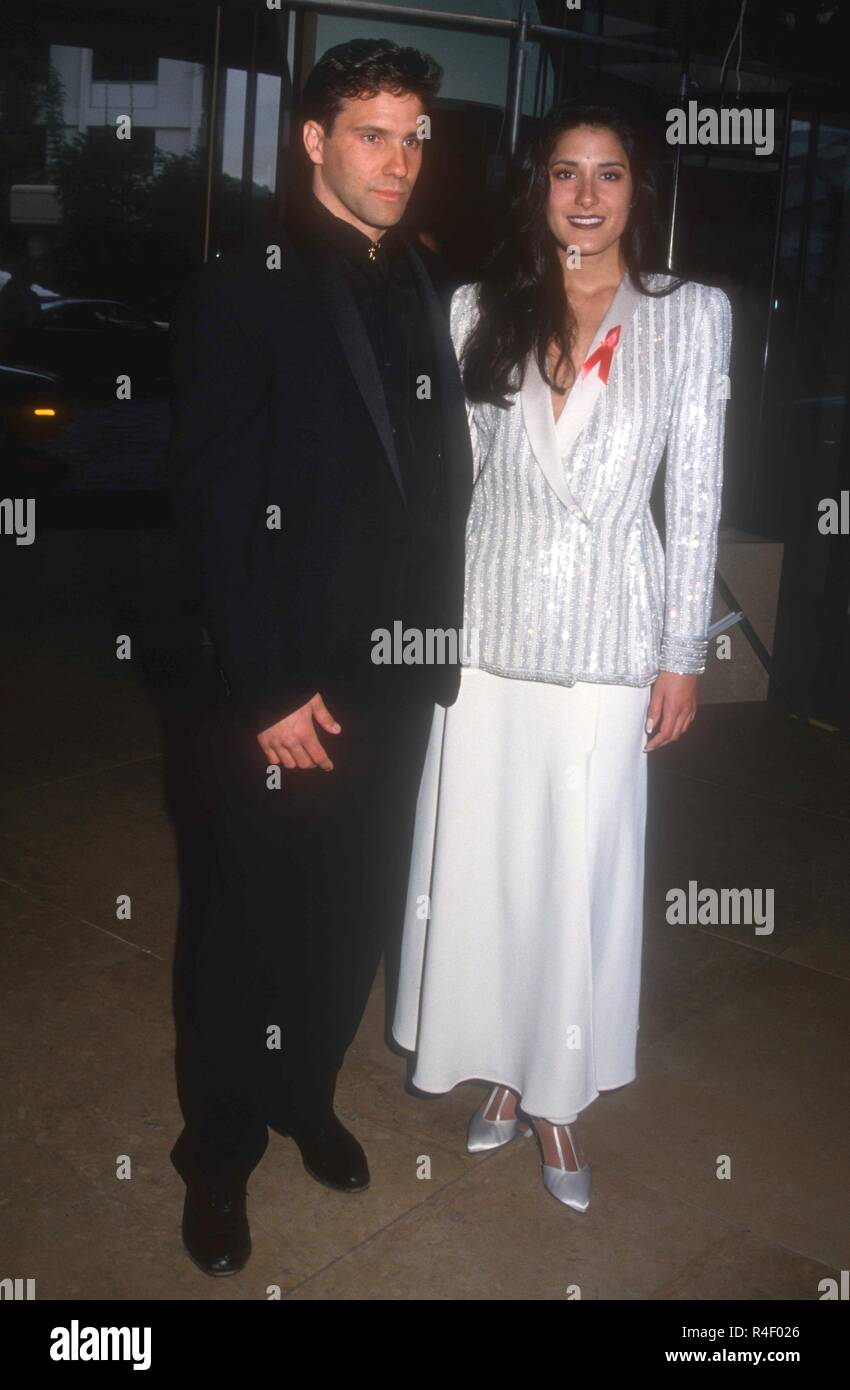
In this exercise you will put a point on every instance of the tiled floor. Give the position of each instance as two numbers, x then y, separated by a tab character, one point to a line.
744	1037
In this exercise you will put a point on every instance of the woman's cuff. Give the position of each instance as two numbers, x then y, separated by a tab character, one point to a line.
683	656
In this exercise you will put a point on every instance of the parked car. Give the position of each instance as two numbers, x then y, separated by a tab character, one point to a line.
92	341
34	406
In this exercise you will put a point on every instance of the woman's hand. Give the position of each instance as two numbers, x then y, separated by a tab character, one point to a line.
671	708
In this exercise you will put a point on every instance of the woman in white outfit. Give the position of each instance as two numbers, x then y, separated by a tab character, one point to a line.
520	961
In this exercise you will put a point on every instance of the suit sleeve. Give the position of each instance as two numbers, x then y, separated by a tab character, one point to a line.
693	486
217	473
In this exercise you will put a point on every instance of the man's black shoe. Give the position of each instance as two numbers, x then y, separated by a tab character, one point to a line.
215	1229
333	1156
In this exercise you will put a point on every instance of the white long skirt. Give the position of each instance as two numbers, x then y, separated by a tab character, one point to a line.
520	961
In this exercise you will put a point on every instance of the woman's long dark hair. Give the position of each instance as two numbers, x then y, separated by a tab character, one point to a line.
523	303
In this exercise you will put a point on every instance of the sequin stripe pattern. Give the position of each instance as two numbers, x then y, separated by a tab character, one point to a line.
550	598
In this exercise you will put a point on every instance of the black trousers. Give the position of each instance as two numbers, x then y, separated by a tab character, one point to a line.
303	890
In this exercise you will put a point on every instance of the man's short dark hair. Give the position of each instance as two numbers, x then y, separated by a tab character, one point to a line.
363	68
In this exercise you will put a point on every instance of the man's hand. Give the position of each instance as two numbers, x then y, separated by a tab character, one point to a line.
293	742
671	709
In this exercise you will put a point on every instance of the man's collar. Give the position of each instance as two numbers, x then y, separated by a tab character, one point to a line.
342	236
342	231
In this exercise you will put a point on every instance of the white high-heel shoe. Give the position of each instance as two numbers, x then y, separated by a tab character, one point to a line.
490	1134
567	1185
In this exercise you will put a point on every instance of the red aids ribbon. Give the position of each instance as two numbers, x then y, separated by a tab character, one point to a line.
603	354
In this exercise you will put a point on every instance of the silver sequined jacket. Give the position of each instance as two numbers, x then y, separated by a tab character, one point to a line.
565	572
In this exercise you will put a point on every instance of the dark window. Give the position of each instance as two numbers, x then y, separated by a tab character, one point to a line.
117	65
121	316
73	316
142	142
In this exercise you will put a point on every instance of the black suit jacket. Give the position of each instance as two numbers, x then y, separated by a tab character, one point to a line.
278	403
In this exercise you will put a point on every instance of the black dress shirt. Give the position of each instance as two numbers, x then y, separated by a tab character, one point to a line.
382	283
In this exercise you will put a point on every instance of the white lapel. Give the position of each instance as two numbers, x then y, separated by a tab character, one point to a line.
551	441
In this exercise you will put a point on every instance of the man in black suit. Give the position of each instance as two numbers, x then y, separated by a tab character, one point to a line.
321	473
